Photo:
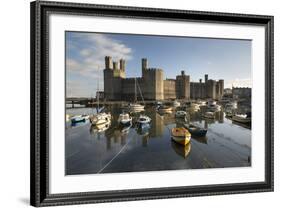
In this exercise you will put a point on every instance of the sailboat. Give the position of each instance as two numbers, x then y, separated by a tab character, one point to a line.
101	117
136	107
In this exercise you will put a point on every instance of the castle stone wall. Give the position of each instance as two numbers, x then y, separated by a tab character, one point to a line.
170	89
153	86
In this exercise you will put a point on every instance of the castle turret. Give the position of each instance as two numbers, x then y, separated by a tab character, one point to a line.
183	86
144	65
122	64
221	83
115	65
108	62
206	78
113	77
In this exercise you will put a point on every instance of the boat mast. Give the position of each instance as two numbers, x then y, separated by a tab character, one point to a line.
135	89
98	96
140	93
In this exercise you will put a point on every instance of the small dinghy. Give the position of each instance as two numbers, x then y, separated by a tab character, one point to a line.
181	135
196	130
180	114
125	119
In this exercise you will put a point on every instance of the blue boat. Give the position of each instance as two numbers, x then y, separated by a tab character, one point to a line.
79	118
196	131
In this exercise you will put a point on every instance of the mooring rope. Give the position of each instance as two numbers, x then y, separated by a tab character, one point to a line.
114	156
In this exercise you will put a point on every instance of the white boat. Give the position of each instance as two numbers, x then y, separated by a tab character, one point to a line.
143	119
136	107
241	118
210	115
176	104
213	106
125	119
100	118
180	114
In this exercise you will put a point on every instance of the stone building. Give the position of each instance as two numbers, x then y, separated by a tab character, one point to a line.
241	92
153	86
209	89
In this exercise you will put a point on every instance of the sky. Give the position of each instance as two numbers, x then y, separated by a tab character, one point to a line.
226	59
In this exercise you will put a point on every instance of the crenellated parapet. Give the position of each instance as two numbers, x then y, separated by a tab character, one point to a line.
153	86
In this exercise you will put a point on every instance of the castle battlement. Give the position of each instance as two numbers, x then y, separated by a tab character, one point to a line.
153	85
132	78
154	69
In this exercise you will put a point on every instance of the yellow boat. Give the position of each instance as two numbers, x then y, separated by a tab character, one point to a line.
181	135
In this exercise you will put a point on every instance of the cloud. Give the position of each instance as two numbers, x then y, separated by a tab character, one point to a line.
86	52
238	83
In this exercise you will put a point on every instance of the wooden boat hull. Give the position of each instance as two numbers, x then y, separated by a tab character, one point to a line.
181	135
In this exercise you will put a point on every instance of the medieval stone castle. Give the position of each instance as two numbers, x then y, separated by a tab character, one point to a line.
153	86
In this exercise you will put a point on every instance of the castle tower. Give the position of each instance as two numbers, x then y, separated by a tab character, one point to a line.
115	65
221	81
122	64
113	77
108	62
206	78
211	89
183	86
144	66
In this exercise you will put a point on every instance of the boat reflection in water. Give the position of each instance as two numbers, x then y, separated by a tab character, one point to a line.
181	150
201	139
150	148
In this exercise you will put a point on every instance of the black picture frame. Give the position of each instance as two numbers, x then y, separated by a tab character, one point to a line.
39	187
